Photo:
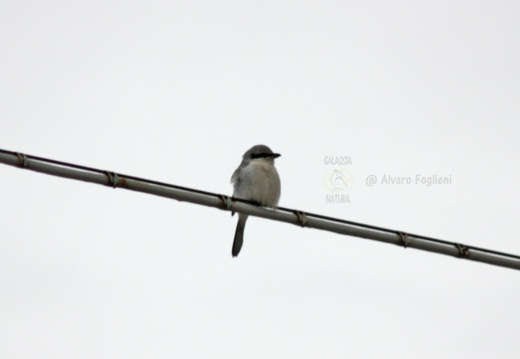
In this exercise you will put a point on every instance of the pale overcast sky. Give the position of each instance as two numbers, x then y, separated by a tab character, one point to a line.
177	91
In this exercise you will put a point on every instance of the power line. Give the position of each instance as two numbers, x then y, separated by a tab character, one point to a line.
304	219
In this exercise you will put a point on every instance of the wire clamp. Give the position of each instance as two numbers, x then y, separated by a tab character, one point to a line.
463	250
113	179
226	200
302	218
405	240
24	161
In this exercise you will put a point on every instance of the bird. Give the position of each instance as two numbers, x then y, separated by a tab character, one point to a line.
256	179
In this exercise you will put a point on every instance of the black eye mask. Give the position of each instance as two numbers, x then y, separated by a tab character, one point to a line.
264	155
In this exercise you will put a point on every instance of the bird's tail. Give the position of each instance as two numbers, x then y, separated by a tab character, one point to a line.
239	234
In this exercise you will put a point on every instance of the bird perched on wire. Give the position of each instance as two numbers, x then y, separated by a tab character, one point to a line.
257	180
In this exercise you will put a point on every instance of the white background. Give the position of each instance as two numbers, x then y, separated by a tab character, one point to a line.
177	91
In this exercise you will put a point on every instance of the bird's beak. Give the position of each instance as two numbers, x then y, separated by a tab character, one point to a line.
276	155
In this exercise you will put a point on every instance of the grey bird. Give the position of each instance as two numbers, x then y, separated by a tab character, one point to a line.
257	180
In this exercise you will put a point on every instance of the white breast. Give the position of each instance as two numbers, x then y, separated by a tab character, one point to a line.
259	181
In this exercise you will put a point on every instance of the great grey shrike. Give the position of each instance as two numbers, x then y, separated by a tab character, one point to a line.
257	180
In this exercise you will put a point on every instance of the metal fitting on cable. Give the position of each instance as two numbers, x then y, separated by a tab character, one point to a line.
226	201
302	218
463	250
405	240
113	179
24	161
